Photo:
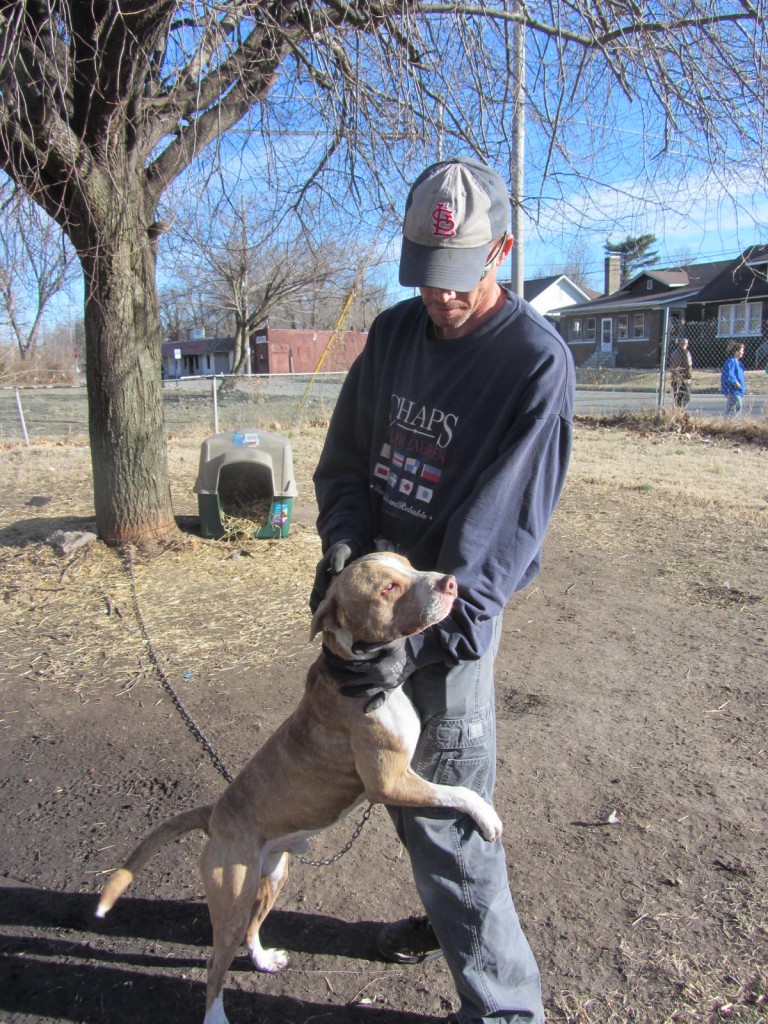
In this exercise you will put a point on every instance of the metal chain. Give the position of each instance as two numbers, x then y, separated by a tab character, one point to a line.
345	849
198	733
192	725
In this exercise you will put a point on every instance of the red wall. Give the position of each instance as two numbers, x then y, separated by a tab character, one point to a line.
290	351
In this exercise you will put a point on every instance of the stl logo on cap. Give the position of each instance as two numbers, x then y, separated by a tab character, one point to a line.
442	218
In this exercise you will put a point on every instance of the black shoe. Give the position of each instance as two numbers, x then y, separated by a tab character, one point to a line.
409	942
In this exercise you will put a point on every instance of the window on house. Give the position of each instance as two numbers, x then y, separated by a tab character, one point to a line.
591	328
639	325
623	326
649	285
739	319
576	330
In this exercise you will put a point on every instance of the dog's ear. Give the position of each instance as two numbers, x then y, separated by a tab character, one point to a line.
325	617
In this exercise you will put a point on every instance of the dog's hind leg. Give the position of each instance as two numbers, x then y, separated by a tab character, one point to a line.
231	879
275	872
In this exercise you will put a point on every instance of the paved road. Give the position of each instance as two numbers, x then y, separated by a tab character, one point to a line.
606	403
597	402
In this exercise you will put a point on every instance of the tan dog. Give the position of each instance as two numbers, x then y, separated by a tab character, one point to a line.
326	758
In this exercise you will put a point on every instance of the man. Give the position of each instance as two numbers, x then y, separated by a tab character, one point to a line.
681	371
450	443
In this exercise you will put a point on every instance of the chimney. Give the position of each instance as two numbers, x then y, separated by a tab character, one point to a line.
612	273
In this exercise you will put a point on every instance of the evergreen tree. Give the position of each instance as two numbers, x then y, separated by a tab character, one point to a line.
634	253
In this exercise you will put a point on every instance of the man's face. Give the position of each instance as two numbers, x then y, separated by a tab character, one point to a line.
455	314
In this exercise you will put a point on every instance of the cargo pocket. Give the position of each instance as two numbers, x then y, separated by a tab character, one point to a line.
458	751
463	771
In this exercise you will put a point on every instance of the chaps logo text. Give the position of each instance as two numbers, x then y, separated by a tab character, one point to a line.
434	424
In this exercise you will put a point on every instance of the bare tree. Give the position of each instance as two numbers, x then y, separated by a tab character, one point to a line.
196	300
103	103
249	262
575	264
577	269
182	308
324	306
36	264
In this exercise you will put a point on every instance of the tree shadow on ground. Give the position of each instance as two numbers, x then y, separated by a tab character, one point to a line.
59	962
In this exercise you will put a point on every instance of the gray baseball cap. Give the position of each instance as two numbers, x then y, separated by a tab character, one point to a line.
454	210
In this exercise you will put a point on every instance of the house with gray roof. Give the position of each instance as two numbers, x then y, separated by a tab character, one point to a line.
630	325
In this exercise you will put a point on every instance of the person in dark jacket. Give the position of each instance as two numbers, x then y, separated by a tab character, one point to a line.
732	380
450	443
681	371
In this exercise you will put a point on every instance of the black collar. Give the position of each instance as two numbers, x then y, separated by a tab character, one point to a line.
344	670
351	675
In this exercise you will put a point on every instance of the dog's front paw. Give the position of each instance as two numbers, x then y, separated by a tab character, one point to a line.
490	825
270	961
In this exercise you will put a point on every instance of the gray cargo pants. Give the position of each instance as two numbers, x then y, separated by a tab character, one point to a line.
462	879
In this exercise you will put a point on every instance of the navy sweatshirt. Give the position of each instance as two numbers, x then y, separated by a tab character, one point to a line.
455	452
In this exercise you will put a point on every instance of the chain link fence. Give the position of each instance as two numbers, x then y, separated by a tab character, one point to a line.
281	402
193	406
694	358
653	384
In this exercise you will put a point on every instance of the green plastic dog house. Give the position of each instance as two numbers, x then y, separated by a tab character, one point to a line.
242	467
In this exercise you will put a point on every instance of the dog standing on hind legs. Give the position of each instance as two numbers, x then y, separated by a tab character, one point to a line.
332	753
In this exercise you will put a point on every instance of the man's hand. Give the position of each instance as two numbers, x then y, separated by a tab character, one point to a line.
380	675
331	564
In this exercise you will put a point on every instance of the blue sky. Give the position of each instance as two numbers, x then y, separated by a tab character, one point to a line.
697	214
707	225
711	226
697	220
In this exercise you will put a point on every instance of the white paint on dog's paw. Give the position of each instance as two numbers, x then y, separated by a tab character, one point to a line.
268	961
215	1014
491	826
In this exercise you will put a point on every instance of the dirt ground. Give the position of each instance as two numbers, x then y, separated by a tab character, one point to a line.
633	707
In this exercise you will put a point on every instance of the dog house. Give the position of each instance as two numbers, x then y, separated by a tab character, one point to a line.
245	476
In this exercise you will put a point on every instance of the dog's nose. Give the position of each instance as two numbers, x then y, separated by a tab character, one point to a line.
447	585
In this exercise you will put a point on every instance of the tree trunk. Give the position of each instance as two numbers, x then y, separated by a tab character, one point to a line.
241	340
123	340
229	384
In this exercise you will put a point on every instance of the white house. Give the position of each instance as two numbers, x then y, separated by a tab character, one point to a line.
548	293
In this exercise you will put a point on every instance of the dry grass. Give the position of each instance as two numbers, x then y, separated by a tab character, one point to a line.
682	424
714	484
684	468
240	578
240	620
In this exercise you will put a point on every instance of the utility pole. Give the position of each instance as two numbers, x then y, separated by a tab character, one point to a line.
517	170
246	299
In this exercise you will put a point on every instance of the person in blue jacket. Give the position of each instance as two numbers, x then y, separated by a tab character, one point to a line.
449	443
732	381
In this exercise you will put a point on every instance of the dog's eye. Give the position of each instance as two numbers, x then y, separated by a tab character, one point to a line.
389	587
